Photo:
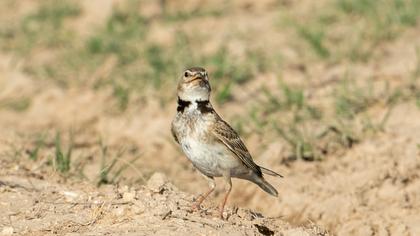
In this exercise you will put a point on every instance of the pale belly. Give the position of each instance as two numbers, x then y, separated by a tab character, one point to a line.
211	159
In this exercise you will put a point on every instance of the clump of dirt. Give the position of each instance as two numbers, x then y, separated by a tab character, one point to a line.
42	204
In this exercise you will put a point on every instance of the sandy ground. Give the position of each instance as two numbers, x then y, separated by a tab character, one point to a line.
33	205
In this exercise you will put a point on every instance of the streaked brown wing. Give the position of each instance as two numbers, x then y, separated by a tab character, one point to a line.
231	139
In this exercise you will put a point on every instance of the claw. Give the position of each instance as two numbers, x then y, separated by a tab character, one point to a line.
195	207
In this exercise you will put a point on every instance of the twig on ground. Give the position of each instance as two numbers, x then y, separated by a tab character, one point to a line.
197	220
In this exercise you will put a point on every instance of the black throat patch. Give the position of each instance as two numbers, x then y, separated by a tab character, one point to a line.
202	106
182	105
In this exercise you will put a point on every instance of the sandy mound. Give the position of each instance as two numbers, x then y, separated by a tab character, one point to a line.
46	205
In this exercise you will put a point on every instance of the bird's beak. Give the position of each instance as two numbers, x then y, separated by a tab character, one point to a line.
198	76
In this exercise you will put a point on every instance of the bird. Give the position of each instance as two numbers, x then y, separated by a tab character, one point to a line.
209	142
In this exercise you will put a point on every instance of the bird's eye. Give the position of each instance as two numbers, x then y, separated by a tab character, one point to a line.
186	74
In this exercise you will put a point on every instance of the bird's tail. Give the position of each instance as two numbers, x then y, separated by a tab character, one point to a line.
260	181
270	172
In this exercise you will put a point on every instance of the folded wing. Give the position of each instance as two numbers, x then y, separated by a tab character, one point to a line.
228	136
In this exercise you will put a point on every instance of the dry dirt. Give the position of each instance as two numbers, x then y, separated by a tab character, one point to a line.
34	204
370	189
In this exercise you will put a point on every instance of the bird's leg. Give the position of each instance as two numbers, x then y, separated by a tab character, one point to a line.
202	197
223	203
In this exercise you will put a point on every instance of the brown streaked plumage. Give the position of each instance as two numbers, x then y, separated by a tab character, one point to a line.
212	146
231	139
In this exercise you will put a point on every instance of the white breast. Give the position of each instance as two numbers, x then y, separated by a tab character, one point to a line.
211	159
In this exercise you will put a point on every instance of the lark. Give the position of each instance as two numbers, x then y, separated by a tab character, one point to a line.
211	144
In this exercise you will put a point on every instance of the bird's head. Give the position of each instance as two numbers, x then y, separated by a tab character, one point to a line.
194	85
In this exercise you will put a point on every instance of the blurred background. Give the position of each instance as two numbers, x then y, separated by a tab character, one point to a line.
325	92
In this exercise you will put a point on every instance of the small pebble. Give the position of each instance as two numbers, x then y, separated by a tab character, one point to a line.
7	230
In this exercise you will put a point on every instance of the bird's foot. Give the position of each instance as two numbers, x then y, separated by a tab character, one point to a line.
196	206
221	216
221	211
